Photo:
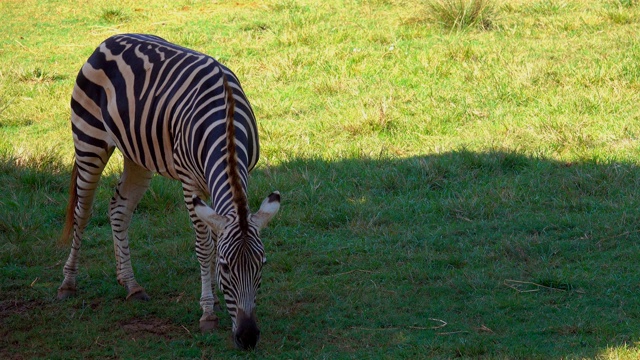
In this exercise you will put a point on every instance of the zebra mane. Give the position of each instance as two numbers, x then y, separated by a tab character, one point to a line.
237	192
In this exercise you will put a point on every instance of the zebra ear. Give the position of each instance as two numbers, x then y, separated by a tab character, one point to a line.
268	209
205	213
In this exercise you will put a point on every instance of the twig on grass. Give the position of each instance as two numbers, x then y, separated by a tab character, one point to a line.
97	343
507	283
354	271
442	324
453	332
626	233
514	285
184	327
373	329
483	328
6	105
54	265
23	47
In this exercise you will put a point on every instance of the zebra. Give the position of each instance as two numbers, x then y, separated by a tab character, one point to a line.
182	114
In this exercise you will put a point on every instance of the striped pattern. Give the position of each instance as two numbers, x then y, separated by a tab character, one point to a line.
179	113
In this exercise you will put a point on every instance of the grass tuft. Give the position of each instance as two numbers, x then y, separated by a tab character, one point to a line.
619	11
38	75
114	15
626	3
462	14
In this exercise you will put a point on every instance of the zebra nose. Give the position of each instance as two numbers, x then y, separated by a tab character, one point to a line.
247	334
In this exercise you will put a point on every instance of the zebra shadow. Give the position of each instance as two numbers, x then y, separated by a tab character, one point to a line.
461	254
466	254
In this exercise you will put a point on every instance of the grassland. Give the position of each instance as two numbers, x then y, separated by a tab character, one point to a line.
447	193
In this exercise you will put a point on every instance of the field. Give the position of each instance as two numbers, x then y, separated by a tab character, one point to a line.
448	191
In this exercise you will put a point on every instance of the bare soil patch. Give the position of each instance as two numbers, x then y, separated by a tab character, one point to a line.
152	326
17	307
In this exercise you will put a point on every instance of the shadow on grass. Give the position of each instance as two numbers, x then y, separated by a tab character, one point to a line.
460	254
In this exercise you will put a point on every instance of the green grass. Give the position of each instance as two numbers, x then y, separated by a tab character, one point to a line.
468	194
461	14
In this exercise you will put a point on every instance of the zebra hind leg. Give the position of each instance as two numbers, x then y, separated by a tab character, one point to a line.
84	181
134	182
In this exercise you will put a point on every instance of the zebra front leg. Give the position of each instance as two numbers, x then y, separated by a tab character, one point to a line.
205	251
134	181
216	303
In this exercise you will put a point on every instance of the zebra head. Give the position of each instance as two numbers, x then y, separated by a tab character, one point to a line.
240	256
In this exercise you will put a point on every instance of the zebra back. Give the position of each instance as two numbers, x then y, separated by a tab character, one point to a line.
163	100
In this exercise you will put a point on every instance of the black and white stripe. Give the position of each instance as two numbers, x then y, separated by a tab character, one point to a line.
179	113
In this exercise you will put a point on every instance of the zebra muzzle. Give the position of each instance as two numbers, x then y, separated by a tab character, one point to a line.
247	334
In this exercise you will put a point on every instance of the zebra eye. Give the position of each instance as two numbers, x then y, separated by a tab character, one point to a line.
225	267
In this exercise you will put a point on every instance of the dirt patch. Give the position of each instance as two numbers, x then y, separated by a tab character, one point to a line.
152	326
8	308
17	307
10	355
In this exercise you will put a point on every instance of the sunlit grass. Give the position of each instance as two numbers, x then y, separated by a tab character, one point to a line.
487	179
114	15
462	14
627	351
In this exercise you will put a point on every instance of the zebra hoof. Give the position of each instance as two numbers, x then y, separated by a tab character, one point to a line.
138	294
208	323
65	293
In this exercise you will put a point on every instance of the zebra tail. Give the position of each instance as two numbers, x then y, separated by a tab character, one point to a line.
239	197
71	207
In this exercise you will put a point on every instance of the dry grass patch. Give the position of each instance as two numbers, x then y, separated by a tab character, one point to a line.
462	14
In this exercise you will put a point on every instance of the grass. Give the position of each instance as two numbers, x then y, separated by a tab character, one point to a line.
467	194
462	14
114	15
